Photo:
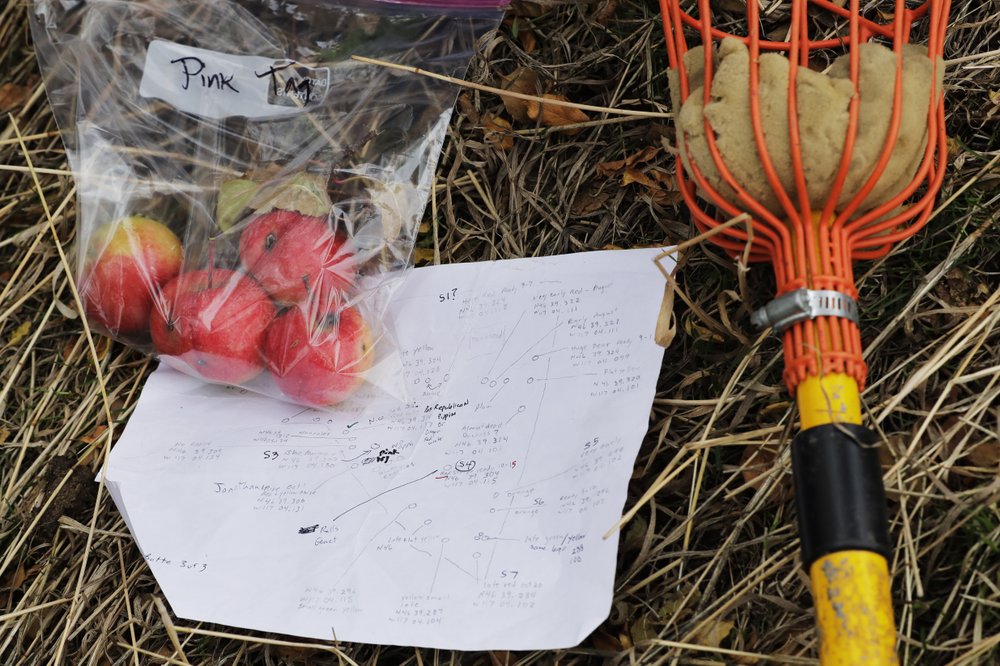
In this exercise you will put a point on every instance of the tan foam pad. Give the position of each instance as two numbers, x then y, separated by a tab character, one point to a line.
823	102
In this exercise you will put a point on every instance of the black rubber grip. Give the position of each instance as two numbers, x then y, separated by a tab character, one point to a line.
839	492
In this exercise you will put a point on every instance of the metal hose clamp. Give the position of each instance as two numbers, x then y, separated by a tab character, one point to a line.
803	305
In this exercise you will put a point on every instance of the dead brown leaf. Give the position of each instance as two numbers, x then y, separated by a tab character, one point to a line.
467	107
552	115
666	191
955	433
423	255
102	346
94	434
13	96
985	454
528	41
19	333
295	654
647	154
588	200
756	462
714	634
642	630
497	132
521	80
606	10
637	169
633	175
16	578
602	640
779	32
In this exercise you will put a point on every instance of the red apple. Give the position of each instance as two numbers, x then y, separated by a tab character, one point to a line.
213	323
319	361
293	255
129	260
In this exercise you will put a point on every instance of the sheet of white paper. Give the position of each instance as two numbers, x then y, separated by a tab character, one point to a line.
469	518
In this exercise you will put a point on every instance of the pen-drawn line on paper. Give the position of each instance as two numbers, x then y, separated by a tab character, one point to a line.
535	357
505	382
489	563
419	550
527	453
524	465
532	380
364	488
408	507
421	526
384	492
520	488
370	541
456	565
537	342
360	429
506	340
520	410
288	419
503	523
437	567
496	542
534	426
331	478
486	537
346	439
370	449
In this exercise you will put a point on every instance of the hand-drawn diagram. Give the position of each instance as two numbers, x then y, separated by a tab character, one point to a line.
456	518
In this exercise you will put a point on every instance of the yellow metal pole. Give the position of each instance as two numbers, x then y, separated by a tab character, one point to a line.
851	587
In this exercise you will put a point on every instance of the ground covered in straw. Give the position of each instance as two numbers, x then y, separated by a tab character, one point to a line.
708	567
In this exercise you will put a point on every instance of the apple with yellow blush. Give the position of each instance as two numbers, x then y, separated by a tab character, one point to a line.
126	264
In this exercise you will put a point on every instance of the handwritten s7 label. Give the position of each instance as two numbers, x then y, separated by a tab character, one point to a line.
220	85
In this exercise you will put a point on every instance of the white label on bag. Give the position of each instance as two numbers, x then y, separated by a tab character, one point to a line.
219	85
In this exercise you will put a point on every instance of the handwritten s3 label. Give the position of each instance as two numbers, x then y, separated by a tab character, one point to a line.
220	85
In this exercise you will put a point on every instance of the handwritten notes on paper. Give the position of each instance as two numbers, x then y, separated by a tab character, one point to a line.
469	517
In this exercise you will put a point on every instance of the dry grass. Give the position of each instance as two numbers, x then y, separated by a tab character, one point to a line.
705	553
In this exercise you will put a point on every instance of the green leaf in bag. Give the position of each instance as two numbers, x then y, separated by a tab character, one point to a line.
234	197
302	192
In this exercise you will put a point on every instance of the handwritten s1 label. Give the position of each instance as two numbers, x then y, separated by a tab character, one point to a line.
220	85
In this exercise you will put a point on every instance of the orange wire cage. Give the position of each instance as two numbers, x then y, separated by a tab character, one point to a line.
813	247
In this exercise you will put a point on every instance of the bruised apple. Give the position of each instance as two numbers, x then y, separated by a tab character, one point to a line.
130	259
293	256
319	360
213	322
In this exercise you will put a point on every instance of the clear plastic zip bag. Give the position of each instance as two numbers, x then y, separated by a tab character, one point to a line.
248	195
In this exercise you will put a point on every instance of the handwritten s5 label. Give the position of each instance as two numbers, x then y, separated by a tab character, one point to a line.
220	85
